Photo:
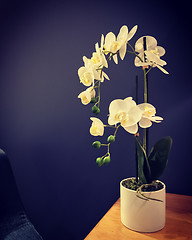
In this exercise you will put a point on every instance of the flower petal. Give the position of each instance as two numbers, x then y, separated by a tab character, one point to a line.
132	129
145	123
162	69
102	41
134	116
161	51
132	32
156	119
104	61
97	127
109	39
123	34
143	106
115	58
122	51
151	43
86	95
154	58
105	76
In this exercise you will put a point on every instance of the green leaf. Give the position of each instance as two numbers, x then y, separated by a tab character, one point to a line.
158	157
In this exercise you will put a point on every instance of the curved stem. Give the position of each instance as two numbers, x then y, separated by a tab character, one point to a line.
137	55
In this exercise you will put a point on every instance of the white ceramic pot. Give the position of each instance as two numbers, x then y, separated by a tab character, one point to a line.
141	215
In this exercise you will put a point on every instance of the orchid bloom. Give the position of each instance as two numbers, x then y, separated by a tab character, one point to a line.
86	76
86	95
98	57
97	127
96	69
126	113
151	56
113	44
148	115
155	60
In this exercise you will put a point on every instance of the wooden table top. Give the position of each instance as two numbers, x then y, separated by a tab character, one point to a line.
178	223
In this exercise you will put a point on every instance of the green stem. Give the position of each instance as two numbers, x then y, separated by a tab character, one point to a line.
99	94
133	52
116	130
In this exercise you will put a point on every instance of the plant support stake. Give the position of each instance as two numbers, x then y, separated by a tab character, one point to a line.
146	130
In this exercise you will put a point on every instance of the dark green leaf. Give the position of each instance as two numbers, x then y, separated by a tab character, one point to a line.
158	157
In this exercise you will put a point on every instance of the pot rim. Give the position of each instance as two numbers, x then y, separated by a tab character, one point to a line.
127	189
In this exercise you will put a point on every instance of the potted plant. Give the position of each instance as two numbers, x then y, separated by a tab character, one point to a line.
143	196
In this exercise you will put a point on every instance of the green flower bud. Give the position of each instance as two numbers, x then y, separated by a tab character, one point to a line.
96	144
107	160
111	139
95	110
93	100
99	161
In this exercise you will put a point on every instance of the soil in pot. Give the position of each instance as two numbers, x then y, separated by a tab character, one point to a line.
133	185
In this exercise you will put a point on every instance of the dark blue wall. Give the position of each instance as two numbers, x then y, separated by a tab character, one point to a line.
45	129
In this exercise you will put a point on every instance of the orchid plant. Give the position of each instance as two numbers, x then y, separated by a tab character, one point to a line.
126	113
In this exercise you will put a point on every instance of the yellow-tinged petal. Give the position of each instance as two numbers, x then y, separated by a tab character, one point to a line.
86	95
86	76
97	127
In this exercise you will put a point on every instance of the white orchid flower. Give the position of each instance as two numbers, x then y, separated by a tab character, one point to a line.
151	56
98	57
86	76
97	127
148	115
113	44
126	113
86	95
155	61
96	69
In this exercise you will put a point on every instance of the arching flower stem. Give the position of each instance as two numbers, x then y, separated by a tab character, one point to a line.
133	51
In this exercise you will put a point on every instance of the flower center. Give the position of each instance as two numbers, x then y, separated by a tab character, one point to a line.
95	58
149	112
87	78
115	47
94	129
155	52
122	117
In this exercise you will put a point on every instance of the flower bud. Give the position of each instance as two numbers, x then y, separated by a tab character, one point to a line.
93	100
96	144
107	160
95	110
99	161
111	139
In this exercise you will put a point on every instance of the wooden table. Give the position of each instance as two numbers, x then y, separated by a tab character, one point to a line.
178	223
